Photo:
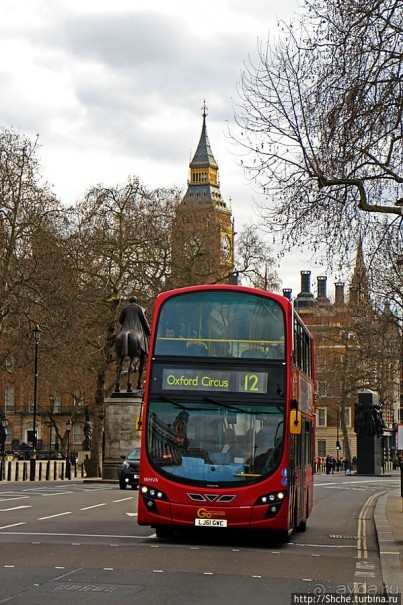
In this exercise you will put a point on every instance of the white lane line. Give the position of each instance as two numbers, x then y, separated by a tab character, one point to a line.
124	499
13	525
14	498
4	510
55	494
48	533
131	514
52	516
350	482
94	506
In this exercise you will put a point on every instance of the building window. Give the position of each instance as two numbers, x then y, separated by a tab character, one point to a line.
321	417
57	404
9	437
348	417
322	388
9	399
9	363
78	433
322	447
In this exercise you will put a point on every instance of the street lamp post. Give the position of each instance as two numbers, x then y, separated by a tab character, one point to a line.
37	335
68	464
52	403
3	437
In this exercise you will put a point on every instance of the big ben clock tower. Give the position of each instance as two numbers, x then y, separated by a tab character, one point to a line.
203	237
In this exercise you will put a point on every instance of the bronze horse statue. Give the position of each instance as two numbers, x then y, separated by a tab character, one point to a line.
132	342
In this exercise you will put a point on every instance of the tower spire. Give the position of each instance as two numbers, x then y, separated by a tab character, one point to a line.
203	156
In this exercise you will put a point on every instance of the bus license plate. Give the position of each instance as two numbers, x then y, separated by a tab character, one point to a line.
211	522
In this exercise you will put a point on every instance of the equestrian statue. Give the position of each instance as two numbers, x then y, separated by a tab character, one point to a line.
132	342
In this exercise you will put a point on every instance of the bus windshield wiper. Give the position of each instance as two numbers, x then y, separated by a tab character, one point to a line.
179	405
225	405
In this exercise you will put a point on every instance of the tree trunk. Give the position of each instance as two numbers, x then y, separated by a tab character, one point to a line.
95	463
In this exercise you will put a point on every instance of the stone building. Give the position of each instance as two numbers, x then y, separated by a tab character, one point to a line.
203	233
356	347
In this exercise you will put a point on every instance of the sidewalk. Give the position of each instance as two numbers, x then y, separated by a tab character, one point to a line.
388	517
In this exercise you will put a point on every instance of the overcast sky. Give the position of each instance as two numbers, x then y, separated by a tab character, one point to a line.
115	89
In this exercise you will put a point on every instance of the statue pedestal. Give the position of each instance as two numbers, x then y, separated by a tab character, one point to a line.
369	455
121	411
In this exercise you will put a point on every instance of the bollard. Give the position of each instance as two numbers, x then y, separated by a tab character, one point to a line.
55	470
32	469
62	472
48	470
40	471
17	471
24	472
9	471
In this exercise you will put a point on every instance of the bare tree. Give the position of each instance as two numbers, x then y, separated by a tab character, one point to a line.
320	120
254	260
27	208
120	245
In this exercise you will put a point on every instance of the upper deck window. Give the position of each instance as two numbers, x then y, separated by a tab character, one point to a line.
226	324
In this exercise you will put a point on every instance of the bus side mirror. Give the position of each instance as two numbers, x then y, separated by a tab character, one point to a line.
295	422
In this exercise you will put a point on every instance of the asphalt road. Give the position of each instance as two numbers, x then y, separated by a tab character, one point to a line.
67	540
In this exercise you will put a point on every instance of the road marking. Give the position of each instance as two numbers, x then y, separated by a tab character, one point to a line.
56	494
131	514
362	527
94	506
47	533
52	516
350	482
390	552
13	525
8	565
14	498
4	510
124	499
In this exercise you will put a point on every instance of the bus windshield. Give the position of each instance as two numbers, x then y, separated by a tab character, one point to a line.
226	324
214	442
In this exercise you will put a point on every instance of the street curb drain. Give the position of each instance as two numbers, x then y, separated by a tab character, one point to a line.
70	587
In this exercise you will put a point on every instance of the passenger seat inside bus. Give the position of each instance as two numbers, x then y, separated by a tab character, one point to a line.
253	354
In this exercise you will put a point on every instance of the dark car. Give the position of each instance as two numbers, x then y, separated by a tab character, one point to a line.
129	475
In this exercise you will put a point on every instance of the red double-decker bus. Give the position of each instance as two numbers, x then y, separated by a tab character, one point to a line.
228	417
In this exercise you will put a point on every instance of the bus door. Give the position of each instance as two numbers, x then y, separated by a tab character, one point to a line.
296	479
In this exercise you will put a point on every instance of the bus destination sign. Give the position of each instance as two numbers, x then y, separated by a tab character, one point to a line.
224	381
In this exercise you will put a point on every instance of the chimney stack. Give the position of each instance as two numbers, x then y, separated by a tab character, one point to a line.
322	286
305	298
305	282
339	294
287	293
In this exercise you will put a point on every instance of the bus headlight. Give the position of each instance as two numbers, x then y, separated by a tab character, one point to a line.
152	493
273	500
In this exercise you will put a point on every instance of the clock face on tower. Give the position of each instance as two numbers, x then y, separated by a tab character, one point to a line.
226	247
